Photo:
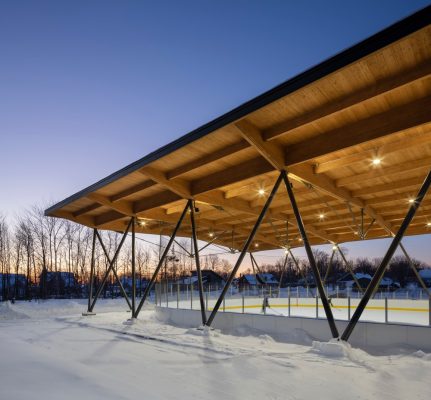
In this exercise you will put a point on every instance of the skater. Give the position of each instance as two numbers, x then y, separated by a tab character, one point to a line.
265	303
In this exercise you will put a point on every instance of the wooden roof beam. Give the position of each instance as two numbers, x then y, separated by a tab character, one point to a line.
207	159
86	209
132	190
395	120
177	186
412	165
271	152
369	154
416	73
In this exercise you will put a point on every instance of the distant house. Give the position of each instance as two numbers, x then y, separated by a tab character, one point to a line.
267	279
257	280
347	281
126	281
425	274
58	283
12	285
209	279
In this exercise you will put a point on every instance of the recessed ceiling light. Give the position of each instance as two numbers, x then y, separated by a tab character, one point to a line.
256	245
334	247
377	161
411	201
211	234
428	223
321	216
261	192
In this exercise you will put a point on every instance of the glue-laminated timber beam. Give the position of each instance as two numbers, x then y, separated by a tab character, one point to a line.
132	190
403	184
86	209
398	169
270	151
177	186
373	152
406	77
120	206
207	159
393	121
245	170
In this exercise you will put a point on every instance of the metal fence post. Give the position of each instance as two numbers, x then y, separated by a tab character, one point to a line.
348	308
224	304
386	310
191	296
317	306
178	295
243	304
206	301
429	311
288	306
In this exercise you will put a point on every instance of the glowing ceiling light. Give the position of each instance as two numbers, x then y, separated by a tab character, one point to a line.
376	161
261	192
256	245
428	223
211	234
411	201
321	216
300	239
142	222
334	247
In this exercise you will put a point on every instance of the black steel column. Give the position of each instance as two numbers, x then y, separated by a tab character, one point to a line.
111	264
197	261
311	259
386	259
133	268
245	249
160	264
90	285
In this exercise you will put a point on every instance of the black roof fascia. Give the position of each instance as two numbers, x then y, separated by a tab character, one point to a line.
397	31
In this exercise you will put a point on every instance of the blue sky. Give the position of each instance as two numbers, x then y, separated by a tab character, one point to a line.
87	87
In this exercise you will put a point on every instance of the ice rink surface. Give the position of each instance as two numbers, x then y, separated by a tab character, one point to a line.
49	351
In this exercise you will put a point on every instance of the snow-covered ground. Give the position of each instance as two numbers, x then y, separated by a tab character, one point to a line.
49	351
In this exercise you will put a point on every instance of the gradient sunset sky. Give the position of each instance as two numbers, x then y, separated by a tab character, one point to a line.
87	87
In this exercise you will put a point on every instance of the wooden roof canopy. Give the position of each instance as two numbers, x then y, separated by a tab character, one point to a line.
324	126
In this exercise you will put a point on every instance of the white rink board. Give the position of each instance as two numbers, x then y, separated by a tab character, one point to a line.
404	311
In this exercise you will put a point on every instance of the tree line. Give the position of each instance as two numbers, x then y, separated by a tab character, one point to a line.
36	248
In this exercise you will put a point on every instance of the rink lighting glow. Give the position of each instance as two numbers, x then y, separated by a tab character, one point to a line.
211	234
376	161
411	201
334	247
261	192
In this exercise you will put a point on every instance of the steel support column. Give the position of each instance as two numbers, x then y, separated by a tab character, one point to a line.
133	268
90	285
245	248
386	259
197	261
311	259
111	265
161	260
